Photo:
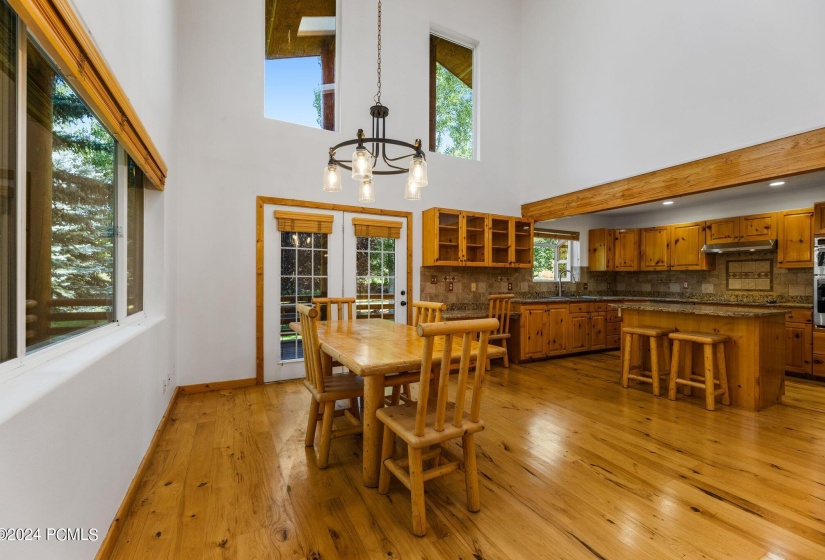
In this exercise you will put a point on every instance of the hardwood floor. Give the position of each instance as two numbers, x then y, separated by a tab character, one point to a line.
571	466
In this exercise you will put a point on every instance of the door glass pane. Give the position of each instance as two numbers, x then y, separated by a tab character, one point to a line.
303	277
70	210
375	278
8	175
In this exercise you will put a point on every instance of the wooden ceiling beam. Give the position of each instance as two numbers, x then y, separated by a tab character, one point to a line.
792	155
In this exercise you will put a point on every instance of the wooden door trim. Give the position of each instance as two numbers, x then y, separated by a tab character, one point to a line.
792	155
260	202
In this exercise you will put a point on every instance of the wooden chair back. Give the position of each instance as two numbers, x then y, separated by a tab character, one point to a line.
448	330
499	308
330	304
427	312
312	347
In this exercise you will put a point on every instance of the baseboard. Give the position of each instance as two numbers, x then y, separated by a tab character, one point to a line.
217	386
109	542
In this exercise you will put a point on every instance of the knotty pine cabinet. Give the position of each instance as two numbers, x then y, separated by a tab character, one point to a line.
819	218
601	242
626	249
686	241
460	238
818	367
795	238
655	248
799	350
755	227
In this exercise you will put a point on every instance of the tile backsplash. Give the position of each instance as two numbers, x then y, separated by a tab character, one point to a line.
783	285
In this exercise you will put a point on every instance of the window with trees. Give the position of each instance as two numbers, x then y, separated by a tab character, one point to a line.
554	255
134	238
451	98
300	45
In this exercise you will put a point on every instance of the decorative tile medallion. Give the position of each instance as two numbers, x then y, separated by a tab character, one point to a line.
750	276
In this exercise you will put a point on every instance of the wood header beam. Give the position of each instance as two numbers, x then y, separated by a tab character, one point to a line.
792	155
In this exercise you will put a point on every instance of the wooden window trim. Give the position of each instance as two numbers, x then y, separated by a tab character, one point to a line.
555	234
365	227
304	222
60	33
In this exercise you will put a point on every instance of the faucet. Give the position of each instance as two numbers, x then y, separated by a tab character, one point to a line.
559	284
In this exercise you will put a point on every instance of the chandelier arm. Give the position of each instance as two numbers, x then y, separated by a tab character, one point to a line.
375	140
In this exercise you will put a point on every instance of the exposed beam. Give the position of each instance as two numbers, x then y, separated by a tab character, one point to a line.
792	155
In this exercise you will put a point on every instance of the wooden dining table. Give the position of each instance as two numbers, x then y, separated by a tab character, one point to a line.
373	349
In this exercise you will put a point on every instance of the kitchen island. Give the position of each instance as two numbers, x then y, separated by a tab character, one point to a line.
755	351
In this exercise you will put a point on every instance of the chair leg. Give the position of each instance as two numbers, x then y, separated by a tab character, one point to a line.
674	371
489	366
688	351
419	510
406	391
710	397
471	472
354	409
326	435
723	372
666	349
312	423
627	351
387	447
654	364
506	356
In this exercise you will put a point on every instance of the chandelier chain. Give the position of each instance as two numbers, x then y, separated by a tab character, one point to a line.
377	97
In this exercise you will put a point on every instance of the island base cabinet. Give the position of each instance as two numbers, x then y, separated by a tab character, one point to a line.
819	353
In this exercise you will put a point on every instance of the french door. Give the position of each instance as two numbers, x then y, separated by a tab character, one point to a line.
368	263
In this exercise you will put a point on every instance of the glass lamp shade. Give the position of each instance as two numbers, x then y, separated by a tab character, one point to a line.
361	164
366	193
418	171
332	178
412	190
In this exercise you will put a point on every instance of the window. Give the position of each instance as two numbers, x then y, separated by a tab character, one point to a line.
134	238
451	98
554	254
300	52
375	278
8	175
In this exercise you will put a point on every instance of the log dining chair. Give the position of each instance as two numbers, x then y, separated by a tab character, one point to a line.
338	308
499	308
423	312
428	425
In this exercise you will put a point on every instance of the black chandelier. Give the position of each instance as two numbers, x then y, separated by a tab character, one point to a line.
364	161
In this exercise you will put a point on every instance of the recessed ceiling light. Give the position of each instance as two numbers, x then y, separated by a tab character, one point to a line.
777	184
667	202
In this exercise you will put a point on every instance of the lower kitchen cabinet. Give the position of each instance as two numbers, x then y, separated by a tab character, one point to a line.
799	341
818	368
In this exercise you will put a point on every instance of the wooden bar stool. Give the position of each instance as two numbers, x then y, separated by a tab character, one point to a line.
659	350
683	342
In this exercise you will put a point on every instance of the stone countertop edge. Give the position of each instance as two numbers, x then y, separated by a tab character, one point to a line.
661	300
714	310
469	314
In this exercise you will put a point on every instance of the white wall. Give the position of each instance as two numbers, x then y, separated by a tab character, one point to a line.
614	89
73	430
229	153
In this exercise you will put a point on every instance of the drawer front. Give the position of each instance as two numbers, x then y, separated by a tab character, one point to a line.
613	341
613	316
579	308
819	342
819	365
799	316
614	329
600	306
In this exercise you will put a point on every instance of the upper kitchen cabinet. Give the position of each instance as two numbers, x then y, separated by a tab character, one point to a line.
756	227
725	230
601	250
796	238
655	248
626	249
819	218
686	242
459	238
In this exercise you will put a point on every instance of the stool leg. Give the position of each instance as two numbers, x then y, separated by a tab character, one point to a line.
666	348
654	364
674	371
688	351
628	349
723	372
710	397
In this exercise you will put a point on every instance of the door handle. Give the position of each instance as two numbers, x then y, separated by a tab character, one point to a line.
403	304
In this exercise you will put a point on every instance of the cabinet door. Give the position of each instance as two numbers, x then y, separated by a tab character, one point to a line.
578	332
655	248
725	230
799	347
447	237
758	227
500	241
555	331
532	332
601	250
796	238
598	331
522	243
626	249
819	218
686	242
474	239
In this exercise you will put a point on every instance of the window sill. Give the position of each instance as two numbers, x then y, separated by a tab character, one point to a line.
26	380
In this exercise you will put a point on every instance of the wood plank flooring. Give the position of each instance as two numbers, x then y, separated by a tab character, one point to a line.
571	466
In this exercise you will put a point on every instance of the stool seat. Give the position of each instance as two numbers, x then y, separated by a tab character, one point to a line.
647	331
699	337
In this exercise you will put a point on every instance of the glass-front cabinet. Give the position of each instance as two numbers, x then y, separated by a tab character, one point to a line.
522	243
474	239
501	241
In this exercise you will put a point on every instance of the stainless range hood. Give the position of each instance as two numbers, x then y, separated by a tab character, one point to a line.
740	246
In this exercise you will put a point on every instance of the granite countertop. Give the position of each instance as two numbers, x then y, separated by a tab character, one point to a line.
471	314
662	300
717	310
